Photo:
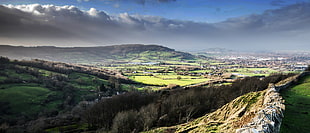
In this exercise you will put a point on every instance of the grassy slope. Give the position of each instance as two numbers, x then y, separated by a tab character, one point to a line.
28	99
226	119
297	113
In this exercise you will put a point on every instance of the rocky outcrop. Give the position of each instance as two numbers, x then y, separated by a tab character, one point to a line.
269	118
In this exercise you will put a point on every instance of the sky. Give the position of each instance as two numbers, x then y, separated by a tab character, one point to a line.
178	24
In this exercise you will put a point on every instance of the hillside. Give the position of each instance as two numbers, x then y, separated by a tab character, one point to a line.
40	95
32	89
180	105
92	55
260	111
226	119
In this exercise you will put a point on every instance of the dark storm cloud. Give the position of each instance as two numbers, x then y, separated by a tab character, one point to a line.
285	27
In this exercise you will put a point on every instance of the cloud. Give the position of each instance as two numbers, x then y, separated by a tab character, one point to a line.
142	2
83	0
277	2
166	0
291	17
116	5
35	24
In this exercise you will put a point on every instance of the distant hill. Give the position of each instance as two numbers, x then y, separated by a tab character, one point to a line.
104	54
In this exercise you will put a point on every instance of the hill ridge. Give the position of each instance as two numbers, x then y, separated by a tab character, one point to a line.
93	55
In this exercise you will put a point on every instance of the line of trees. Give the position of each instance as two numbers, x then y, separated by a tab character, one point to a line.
65	68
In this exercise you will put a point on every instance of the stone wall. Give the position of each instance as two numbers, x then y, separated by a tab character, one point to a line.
269	118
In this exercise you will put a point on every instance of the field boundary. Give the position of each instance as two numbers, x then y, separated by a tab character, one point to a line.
269	119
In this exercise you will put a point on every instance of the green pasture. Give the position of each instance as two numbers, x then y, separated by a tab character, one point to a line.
253	71
182	63
217	63
172	80
135	67
85	81
49	73
201	71
27	99
13	74
2	78
297	112
174	76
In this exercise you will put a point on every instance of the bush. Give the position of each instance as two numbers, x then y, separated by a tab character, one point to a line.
101	115
148	116
126	122
308	68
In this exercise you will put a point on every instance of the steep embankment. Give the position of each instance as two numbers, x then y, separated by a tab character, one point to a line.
92	55
255	111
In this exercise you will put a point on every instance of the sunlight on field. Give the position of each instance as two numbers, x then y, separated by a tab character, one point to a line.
253	71
159	81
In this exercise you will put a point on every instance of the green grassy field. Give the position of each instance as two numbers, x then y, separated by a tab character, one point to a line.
12	74
253	71
27	99
201	71
85	82
27	91
146	56
49	73
297	112
182	63
2	78
168	79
